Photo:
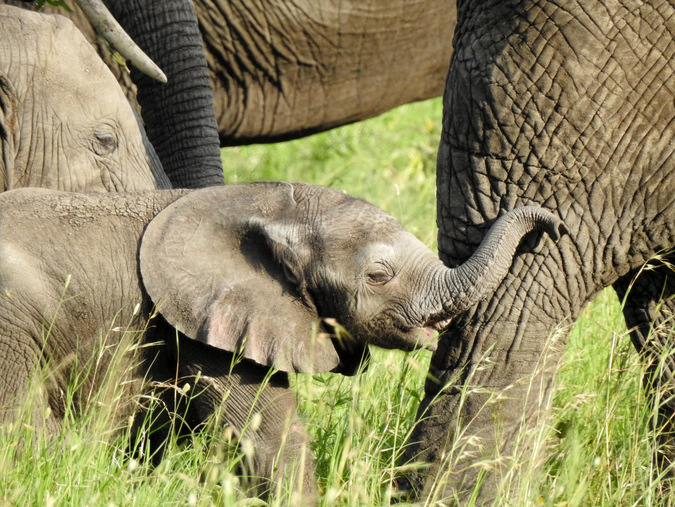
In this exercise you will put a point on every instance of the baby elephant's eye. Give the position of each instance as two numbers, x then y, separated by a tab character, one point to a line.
379	277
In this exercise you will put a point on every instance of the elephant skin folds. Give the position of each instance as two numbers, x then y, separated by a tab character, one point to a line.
282	70
569	108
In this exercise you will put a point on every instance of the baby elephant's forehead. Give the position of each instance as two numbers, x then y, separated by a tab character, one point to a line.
374	252
364	216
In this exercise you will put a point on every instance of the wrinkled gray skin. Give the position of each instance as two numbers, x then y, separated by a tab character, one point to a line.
178	115
570	108
64	121
242	270
281	70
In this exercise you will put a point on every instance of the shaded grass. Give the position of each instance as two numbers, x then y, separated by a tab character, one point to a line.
595	444
603	451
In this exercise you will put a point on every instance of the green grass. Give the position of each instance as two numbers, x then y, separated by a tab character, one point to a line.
594	446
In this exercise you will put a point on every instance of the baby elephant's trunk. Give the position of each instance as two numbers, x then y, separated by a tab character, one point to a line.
480	275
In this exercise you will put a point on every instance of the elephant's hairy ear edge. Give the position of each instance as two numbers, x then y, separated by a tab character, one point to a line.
216	281
270	335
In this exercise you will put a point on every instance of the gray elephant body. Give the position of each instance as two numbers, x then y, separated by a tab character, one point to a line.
569	107
279	71
64	121
226	282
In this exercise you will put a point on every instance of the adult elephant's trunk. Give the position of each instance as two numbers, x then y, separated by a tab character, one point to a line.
108	27
479	276
179	115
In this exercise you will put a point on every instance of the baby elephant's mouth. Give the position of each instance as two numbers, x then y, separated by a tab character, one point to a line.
428	335
430	330
437	323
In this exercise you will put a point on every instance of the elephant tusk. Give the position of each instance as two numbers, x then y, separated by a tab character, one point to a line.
108	27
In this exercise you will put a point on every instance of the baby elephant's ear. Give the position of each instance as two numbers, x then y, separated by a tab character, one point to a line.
214	274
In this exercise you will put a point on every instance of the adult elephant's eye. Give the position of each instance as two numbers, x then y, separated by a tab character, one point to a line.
104	142
379	277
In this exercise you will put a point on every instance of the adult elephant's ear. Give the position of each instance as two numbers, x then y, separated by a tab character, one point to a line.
7	104
222	266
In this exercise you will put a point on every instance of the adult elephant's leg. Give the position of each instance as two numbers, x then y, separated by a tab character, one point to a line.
492	373
648	297
536	112
179	116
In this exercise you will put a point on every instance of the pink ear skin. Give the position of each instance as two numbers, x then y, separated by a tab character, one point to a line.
287	338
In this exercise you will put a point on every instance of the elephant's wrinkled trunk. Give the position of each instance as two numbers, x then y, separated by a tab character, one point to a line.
108	27
479	276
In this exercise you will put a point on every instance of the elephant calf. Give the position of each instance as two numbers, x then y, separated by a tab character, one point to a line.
227	282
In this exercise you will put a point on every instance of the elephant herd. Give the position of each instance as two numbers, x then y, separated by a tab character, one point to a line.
558	117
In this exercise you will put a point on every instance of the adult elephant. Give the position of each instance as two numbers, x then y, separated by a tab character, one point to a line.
281	70
570	106
64	121
179	115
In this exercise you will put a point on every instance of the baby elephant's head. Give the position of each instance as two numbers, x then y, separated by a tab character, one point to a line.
303	278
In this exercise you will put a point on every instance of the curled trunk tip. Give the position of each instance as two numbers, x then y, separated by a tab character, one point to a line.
543	220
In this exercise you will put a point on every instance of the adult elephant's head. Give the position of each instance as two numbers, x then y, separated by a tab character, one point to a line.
179	115
64	121
255	268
